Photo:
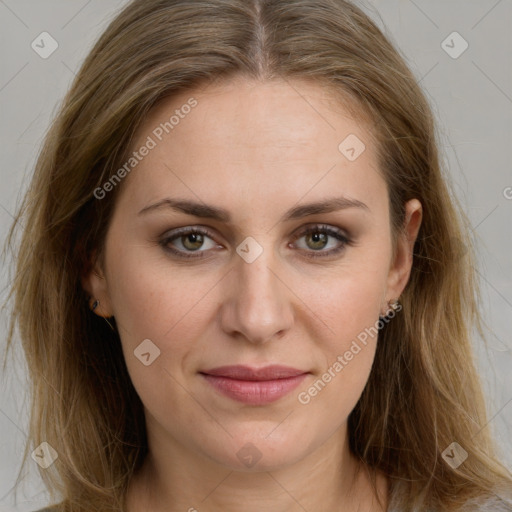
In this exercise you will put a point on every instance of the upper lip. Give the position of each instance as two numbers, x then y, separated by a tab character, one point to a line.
241	372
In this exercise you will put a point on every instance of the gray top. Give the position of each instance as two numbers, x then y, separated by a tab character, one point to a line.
494	504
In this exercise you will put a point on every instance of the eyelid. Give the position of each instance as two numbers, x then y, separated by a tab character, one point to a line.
176	233
319	226
332	231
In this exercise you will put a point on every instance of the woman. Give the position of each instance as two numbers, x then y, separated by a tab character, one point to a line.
239	281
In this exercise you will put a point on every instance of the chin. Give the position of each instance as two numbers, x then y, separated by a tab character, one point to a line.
257	451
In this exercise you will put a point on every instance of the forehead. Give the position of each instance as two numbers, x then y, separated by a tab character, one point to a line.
289	111
250	138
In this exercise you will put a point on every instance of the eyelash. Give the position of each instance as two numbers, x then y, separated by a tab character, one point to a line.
317	228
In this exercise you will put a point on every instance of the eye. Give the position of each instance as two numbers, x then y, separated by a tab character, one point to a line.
317	238
189	242
190	239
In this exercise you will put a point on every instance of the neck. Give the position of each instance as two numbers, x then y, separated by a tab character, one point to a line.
328	478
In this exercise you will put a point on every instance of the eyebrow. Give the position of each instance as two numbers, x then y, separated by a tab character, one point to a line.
214	212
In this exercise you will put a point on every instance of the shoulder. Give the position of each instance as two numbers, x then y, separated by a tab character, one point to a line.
496	503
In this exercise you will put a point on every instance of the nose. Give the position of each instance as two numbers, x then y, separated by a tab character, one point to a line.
257	305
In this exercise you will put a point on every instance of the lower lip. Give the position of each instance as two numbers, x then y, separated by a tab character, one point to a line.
254	392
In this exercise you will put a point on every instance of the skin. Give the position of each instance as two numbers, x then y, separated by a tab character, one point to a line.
255	149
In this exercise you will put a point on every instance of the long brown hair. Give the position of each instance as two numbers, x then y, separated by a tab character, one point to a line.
423	392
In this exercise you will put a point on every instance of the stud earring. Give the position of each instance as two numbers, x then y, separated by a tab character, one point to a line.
392	305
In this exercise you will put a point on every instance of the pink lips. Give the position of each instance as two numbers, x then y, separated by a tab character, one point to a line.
254	386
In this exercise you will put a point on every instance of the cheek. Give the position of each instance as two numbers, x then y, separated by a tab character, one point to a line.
347	355
151	298
348	308
151	303
347	300
352	316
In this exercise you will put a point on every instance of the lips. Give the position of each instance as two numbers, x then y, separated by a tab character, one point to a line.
272	372
254	386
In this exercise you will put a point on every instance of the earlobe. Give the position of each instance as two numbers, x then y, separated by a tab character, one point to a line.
96	287
95	303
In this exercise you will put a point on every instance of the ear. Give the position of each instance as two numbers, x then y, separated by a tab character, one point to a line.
400	268
94	283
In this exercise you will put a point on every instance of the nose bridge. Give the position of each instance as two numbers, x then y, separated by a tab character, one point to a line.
257	307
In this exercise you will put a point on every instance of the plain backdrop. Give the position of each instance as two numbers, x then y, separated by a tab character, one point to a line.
471	96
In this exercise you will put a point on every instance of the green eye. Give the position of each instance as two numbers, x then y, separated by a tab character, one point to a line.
192	241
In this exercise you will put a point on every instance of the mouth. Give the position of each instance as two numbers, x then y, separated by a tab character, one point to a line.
254	386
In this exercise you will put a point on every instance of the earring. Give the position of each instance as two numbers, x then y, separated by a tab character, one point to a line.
392	305
94	305
109	324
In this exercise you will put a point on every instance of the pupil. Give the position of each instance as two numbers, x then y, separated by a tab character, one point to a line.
193	238
317	237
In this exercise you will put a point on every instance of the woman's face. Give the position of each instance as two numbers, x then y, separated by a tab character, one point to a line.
245	162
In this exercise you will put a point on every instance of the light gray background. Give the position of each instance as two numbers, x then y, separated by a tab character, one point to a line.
472	99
